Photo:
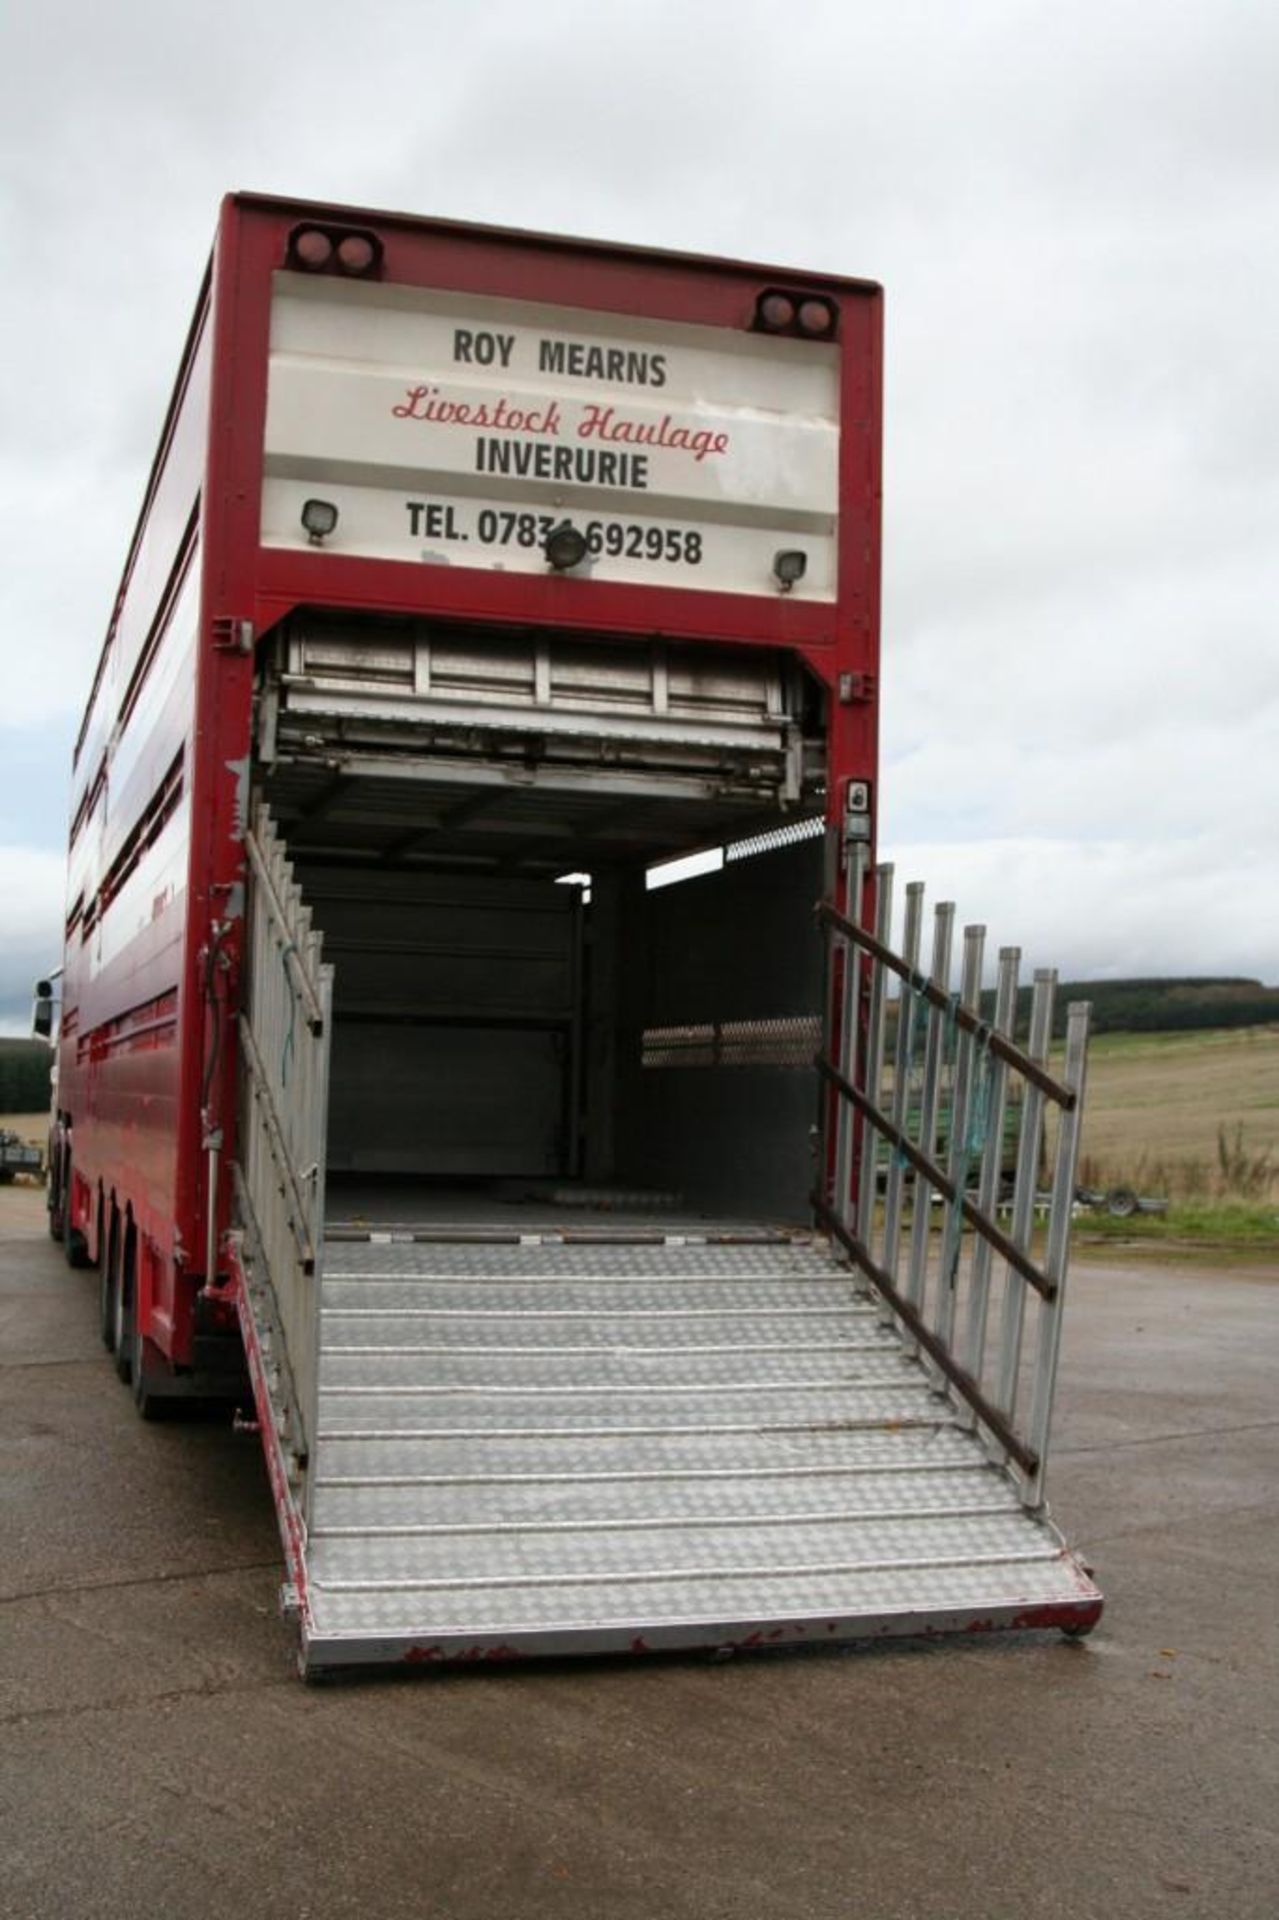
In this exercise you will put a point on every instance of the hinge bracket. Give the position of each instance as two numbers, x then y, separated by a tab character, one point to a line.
231	634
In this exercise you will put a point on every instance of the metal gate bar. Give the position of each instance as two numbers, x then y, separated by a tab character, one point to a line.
284	1033
959	1119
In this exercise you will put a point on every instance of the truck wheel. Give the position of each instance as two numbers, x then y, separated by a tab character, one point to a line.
6	1176
74	1244
150	1405
75	1247
122	1344
54	1189
109	1283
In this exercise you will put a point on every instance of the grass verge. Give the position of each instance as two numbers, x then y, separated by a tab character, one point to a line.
1241	1228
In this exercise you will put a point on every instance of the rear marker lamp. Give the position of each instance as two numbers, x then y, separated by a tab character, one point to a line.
809	315
351	251
789	567
319	517
356	253
816	317
311	248
564	546
775	312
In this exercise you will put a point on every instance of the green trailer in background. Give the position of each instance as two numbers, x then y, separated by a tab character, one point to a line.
18	1156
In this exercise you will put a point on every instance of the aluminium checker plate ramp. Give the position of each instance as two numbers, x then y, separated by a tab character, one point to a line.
556	1447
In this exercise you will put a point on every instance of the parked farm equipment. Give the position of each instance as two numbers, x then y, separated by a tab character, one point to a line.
18	1156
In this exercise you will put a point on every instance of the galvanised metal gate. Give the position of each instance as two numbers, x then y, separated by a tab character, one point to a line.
284	1037
937	1115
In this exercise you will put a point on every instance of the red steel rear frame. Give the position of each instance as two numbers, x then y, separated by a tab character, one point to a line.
240	582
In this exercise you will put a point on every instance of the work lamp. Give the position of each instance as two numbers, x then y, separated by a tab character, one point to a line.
789	566
564	546
319	517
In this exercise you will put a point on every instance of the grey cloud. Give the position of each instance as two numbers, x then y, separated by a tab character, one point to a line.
1073	212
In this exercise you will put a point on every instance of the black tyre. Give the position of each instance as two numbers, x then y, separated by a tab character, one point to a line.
148	1403
1121	1203
108	1284
147	1380
122	1344
76	1248
55	1188
74	1244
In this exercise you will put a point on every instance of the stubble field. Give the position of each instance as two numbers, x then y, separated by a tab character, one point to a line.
1188	1115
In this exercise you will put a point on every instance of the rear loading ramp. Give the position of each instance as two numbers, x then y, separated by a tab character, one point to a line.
492	1441
563	1448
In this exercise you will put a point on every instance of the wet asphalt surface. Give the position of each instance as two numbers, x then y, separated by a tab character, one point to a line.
159	1757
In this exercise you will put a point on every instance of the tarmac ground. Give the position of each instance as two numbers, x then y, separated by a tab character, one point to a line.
159	1757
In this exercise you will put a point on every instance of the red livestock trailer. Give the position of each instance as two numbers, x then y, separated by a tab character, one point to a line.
481	575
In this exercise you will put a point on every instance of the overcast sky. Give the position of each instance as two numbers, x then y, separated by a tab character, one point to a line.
1075	212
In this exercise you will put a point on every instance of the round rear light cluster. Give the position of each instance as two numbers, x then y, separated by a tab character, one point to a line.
811	315
816	317
356	253
312	248
777	311
323	249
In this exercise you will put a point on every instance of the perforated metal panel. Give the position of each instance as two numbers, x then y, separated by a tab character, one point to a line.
774	838
788	1042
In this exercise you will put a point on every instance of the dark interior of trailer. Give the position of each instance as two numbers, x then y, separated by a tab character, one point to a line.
522	1020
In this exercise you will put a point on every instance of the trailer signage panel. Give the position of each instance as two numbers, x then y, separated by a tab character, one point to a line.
453	430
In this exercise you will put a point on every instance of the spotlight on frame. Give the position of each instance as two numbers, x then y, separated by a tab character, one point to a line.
789	567
319	517
565	546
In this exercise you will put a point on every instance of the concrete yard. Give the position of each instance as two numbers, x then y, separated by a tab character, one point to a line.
158	1756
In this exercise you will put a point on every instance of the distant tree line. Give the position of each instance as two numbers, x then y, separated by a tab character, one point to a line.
24	1076
1156	1006
1119	1006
